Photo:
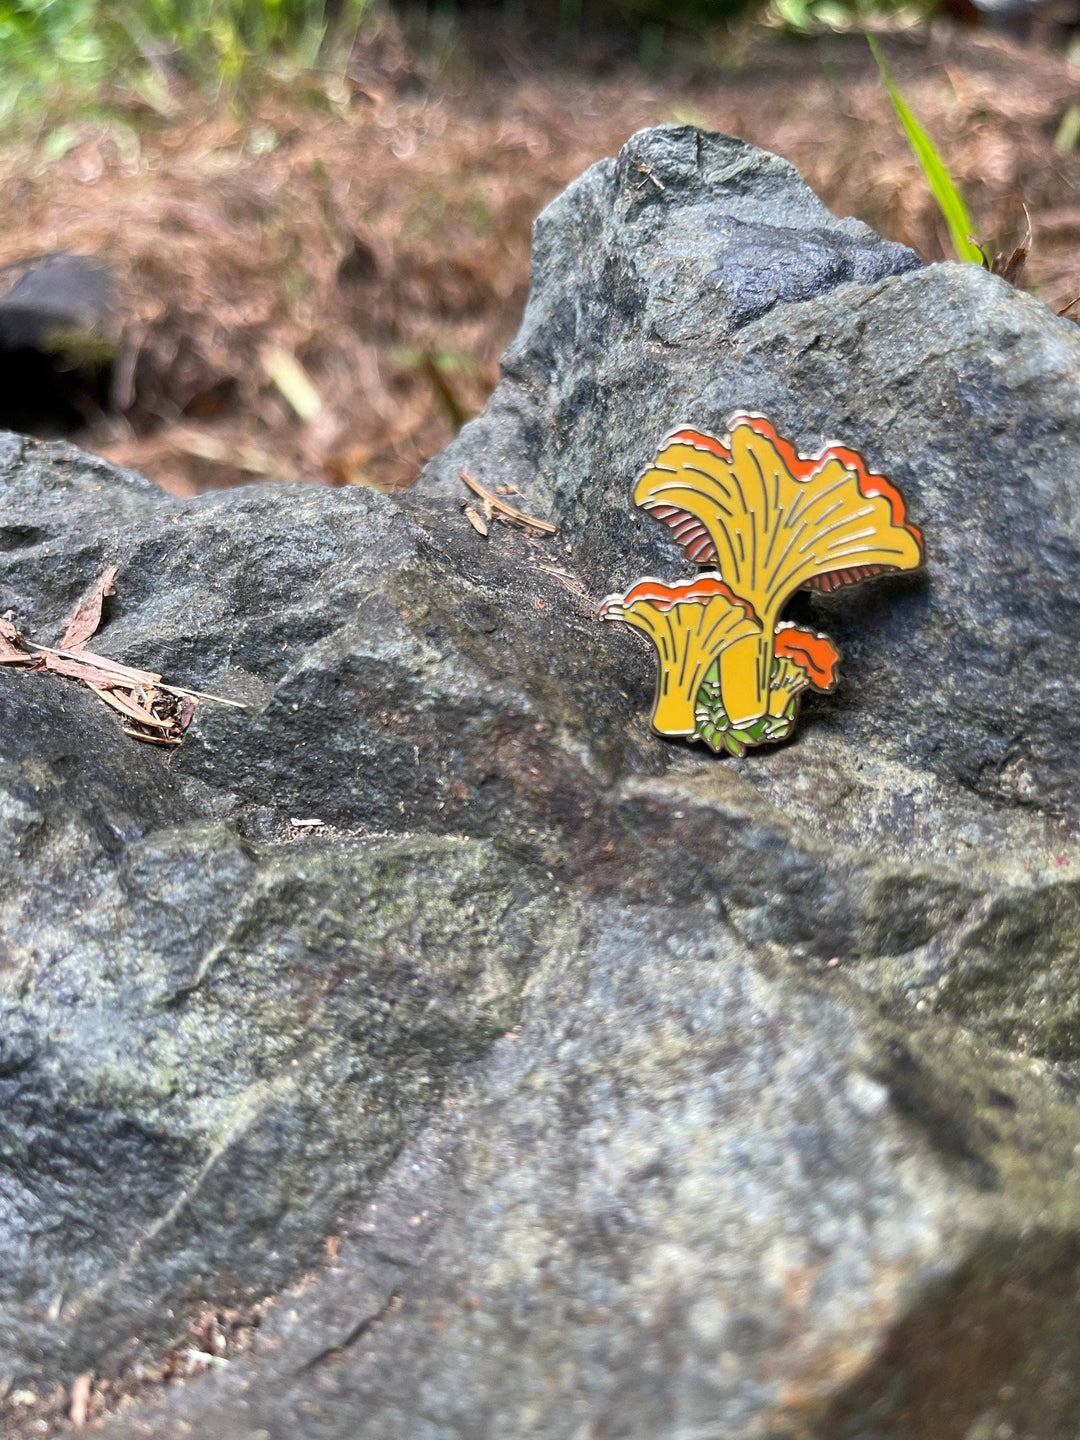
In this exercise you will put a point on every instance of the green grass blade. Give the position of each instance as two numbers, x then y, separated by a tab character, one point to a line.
942	186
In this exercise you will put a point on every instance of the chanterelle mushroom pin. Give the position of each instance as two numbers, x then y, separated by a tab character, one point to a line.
767	522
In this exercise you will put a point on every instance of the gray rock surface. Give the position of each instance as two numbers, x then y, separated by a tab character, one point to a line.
650	308
648	1094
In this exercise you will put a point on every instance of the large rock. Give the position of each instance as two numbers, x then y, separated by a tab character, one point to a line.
648	1094
652	306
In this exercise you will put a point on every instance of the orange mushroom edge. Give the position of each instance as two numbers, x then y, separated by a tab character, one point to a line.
802	467
697	591
813	652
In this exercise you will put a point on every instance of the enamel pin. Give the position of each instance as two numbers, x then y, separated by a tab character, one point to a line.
760	522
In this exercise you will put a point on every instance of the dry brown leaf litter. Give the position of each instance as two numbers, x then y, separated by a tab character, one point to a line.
320	290
87	617
150	710
213	1338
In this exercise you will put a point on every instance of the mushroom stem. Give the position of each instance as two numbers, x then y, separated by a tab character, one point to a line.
673	711
745	668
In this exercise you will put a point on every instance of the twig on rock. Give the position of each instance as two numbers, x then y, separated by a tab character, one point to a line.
499	508
110	669
203	695
644	170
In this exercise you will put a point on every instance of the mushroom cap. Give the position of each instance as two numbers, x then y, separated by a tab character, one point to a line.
698	590
811	651
690	624
734	505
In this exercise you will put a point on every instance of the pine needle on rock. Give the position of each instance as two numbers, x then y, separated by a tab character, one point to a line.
154	712
476	520
498	509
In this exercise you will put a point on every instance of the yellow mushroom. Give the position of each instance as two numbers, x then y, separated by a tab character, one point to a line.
772	523
690	623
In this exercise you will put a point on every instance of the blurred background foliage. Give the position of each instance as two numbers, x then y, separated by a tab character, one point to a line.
64	51
316	214
77	48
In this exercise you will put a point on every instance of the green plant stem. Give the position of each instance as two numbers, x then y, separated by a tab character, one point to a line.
942	186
